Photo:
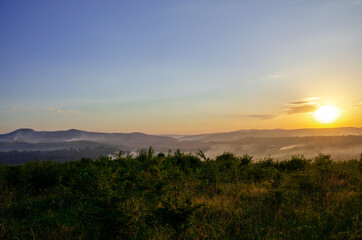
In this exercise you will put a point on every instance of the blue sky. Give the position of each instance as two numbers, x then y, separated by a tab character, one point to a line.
177	66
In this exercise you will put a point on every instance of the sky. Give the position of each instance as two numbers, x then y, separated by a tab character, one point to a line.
179	67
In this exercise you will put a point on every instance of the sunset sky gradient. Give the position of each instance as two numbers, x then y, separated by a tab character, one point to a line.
179	67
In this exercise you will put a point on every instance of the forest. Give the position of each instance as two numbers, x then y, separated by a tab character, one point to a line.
179	195
61	155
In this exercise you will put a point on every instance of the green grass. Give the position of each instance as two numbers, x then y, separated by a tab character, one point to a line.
182	196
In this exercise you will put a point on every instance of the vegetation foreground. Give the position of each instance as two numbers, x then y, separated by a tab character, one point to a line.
182	196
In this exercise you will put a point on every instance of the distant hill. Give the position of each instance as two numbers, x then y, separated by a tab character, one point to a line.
26	135
74	135
341	143
30	140
273	133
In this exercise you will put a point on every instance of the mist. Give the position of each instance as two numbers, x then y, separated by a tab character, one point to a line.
340	143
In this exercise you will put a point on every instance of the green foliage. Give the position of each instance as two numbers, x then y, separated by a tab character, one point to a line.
175	212
298	162
246	159
182	196
226	161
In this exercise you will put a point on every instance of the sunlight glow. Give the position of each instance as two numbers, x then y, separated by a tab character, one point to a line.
326	114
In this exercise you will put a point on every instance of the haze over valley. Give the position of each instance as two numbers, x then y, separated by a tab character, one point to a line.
341	143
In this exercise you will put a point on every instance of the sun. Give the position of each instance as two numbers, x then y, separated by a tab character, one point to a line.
326	114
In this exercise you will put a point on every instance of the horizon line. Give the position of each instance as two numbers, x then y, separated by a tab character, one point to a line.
180	134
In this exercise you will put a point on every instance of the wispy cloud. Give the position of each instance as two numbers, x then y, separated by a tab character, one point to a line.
53	110
303	105
50	109
356	106
311	100
305	108
17	109
276	76
264	116
62	110
299	102
20	109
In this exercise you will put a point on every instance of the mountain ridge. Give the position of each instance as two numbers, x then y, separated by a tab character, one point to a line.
340	142
32	136
265	133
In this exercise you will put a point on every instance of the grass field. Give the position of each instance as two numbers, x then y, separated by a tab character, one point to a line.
182	196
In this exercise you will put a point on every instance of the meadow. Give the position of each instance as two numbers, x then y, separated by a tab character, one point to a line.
177	195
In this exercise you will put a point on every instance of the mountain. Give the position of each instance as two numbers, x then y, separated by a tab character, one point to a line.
72	135
28	139
341	143
26	135
272	133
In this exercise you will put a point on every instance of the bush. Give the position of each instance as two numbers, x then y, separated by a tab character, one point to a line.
298	162
180	196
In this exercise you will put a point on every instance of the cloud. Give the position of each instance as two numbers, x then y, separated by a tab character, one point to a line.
63	111
75	111
20	109
53	110
299	102
50	109
304	108
304	101
17	109
356	106
276	76
303	105
264	116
